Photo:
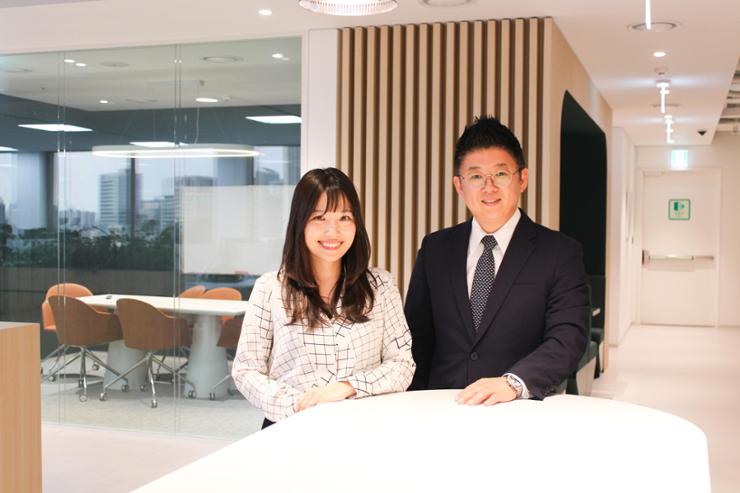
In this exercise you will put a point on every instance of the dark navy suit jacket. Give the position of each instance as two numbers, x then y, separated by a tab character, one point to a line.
535	324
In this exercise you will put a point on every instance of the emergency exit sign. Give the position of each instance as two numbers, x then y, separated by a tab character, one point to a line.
679	209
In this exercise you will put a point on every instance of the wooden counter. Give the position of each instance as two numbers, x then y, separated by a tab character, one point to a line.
20	407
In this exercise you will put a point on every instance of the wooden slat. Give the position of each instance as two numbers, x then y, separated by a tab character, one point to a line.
449	122
464	109
492	84
436	134
370	184
344	132
382	242
504	72
357	166
410	157
396	173
423	140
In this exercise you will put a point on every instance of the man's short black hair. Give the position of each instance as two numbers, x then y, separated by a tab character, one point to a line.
486	132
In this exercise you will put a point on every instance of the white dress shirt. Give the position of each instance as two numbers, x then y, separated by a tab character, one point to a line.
276	362
475	250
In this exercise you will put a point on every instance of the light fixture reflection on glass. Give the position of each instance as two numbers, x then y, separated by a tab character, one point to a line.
55	127
69	60
265	12
648	16
679	159
104	101
659	54
277	55
349	7
663	85
276	119
7	149
206	100
80	64
188	151
155	144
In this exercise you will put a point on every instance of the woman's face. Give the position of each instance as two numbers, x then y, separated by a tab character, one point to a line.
329	234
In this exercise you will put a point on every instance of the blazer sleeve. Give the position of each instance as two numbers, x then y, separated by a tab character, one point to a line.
251	364
397	364
418	312
565	333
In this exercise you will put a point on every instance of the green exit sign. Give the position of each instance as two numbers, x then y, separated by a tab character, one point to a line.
679	209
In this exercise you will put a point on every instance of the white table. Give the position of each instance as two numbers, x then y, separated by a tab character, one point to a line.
207	363
424	441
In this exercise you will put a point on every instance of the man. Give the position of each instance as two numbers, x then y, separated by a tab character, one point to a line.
497	305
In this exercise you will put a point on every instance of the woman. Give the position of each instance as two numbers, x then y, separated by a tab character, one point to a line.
324	327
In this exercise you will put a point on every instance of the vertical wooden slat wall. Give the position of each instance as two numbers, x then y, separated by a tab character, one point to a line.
406	92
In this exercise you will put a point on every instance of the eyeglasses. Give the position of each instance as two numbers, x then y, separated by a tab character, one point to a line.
501	179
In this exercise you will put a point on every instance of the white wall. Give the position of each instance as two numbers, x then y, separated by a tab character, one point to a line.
623	263
724	153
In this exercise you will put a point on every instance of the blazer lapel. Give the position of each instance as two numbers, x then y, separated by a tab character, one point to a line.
458	274
517	253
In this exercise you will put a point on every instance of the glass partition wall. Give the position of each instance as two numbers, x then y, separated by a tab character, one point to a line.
145	172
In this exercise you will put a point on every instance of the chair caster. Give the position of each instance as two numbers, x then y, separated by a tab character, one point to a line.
79	383
154	403
191	394
124	387
142	387
212	396
95	366
103	397
52	378
83	398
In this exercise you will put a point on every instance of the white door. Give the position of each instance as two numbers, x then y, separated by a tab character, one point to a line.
680	241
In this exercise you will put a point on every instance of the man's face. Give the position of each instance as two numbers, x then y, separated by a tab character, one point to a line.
491	205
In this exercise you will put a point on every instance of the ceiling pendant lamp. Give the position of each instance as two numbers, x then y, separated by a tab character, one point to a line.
349	7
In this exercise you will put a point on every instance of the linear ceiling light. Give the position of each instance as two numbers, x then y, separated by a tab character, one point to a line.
7	149
276	119
648	16
349	7
185	152
55	127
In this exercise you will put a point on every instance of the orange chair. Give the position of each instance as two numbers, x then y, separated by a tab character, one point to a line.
193	292
231	328
80	326
150	330
49	323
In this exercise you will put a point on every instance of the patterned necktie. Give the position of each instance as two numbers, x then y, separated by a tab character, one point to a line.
485	272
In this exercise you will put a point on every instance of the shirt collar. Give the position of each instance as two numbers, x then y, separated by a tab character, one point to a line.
503	234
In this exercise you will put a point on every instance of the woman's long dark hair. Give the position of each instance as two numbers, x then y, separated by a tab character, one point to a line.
301	296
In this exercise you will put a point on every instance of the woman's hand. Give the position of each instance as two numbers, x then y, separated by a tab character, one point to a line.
333	392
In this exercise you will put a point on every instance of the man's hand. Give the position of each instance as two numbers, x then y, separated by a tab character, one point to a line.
333	392
486	391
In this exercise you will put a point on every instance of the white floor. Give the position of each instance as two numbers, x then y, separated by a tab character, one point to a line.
690	372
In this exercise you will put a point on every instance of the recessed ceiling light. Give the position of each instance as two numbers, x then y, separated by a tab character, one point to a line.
265	12
349	7
222	59
207	100
277	55
69	60
55	127
657	27
276	119
7	149
155	144
80	64
659	54
104	101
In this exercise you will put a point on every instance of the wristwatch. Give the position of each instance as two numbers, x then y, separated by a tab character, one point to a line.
515	385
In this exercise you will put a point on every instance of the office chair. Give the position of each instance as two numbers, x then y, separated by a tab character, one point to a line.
150	330
80	326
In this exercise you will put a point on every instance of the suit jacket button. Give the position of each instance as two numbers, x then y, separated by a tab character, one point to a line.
474	356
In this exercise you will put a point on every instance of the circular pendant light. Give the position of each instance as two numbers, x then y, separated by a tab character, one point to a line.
349	7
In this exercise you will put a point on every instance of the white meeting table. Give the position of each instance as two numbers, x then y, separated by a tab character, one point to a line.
424	441
207	363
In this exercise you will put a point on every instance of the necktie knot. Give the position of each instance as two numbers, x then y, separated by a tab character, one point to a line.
489	243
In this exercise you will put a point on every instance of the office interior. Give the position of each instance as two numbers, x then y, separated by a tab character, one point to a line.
175	133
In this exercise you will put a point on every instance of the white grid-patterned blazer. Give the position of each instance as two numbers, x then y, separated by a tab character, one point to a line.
276	362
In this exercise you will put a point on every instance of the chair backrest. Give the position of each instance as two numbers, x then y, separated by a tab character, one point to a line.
222	294
230	332
79	324
146	328
193	292
63	289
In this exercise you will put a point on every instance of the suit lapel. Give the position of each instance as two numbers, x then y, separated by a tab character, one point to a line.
517	253
457	265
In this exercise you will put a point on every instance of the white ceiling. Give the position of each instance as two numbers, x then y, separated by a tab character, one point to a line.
702	53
